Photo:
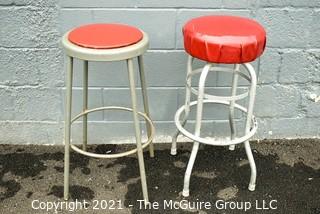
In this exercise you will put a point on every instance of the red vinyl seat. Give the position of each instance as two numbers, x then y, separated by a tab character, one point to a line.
224	39
105	36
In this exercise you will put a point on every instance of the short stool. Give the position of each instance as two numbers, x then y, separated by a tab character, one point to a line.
106	42
220	40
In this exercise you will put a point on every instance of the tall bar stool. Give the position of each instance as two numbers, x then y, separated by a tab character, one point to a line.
106	42
225	40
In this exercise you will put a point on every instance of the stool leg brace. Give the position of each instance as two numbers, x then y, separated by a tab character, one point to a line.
68	121
200	101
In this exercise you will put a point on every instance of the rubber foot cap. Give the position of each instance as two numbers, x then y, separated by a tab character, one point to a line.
251	187
173	152
185	193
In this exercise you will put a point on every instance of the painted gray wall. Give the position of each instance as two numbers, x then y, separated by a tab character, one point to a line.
32	74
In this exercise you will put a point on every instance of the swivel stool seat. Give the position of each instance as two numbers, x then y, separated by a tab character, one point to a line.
220	40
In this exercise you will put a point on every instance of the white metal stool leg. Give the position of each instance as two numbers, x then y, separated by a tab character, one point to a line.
137	130
251	124
145	100
195	148
67	126
187	106
232	102
85	105
253	177
252	95
187	175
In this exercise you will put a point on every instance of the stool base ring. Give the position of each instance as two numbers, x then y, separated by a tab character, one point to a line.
130	152
210	141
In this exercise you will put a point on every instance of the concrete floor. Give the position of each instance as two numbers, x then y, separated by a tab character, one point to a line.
288	172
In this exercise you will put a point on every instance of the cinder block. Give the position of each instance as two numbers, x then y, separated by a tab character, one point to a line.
216	130
243	4
277	101
7	104
104	74
212	111
120	97
277	128
169	69
28	27
224	79
212	129
299	66
211	80
143	3
184	15
311	108
162	103
75	18
314	63
270	62
94	101
37	104
164	130
38	3
31	67
314	40
286	27
273	3
103	132
6	2
164	68
147	20
121	132
293	3
263	129
221	129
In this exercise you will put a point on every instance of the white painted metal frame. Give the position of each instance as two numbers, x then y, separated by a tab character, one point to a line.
124	53
203	98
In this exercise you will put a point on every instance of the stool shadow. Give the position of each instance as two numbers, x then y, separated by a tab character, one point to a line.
24	164
216	169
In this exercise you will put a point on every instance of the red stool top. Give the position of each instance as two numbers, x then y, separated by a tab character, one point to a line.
224	39
105	36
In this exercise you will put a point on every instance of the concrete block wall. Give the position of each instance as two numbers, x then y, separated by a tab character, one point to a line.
32	71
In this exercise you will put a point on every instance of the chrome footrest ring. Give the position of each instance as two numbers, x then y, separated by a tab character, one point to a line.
210	141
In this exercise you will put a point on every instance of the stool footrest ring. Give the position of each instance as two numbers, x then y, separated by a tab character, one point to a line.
220	69
220	98
210	141
130	152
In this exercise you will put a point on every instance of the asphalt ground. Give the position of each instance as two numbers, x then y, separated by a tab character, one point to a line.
288	180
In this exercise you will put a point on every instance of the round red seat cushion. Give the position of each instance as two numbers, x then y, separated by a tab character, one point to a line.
105	36
224	39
